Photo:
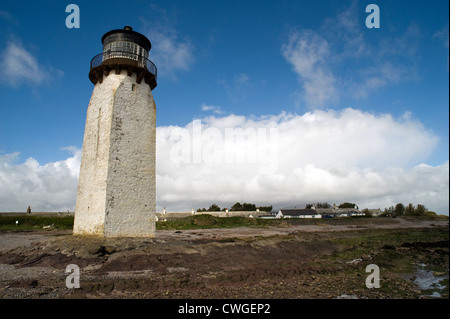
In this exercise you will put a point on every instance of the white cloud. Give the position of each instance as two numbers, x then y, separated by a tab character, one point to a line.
442	35
373	78
308	53
213	108
19	65
8	17
346	32
49	187
373	160
170	53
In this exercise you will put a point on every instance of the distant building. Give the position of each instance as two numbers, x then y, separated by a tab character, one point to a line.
298	213
319	213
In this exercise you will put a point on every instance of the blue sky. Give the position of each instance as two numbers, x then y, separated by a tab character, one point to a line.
241	63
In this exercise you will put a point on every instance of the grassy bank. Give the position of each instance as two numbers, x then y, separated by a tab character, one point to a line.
202	221
32	223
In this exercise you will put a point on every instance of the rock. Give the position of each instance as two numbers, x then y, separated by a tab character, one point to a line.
100	250
354	261
109	250
92	249
438	273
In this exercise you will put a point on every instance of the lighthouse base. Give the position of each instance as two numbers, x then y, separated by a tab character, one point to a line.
117	188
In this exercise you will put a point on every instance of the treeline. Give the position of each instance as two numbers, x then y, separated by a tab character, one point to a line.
326	205
409	210
236	207
392	211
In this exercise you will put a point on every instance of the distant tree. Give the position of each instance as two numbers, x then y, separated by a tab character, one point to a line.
366	212
420	210
201	210
248	207
236	207
318	205
213	208
430	213
399	210
389	211
347	205
410	210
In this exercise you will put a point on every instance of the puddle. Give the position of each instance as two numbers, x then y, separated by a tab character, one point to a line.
427	281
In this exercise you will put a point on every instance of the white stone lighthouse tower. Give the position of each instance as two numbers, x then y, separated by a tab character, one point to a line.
116	191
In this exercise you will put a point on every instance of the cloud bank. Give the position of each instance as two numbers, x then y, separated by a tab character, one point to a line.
373	160
49	187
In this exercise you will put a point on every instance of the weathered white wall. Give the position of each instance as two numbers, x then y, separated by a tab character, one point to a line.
116	191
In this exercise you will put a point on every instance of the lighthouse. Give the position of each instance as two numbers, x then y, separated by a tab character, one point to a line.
117	189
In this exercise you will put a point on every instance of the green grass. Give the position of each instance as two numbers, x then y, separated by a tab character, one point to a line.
204	221
399	236
371	242
31	223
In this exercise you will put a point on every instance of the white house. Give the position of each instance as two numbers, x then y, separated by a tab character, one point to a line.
298	213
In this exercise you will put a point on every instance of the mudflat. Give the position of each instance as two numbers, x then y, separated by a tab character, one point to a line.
319	260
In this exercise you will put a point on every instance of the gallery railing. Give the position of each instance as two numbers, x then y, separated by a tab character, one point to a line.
134	59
